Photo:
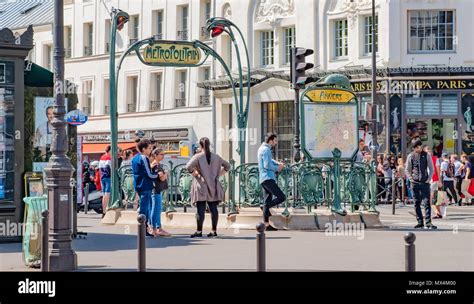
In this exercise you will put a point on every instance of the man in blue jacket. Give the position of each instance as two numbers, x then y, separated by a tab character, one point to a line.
267	168
143	177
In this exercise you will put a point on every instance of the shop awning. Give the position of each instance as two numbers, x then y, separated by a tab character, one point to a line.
99	148
37	76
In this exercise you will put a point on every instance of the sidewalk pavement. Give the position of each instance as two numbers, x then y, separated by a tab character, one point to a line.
113	248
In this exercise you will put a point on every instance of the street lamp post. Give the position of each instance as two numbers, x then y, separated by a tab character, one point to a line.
59	169
118	20
374	86
217	26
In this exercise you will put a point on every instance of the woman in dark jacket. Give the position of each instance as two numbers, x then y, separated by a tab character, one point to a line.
206	168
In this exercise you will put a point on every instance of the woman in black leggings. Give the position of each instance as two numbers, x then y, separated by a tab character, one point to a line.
206	168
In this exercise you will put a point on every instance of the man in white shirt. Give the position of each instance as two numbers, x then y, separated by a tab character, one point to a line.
44	132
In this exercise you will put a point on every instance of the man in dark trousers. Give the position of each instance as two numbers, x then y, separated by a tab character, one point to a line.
267	168
420	170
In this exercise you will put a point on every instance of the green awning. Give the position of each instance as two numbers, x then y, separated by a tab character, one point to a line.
37	76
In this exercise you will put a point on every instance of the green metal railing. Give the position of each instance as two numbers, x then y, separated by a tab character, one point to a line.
336	185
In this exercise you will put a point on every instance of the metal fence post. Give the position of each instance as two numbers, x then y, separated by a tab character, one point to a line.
393	193
141	243
86	198
44	241
410	252
261	247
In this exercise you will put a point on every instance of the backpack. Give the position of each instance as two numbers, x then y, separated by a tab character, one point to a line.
450	171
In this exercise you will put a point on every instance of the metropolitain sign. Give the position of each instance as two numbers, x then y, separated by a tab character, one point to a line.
330	95
173	54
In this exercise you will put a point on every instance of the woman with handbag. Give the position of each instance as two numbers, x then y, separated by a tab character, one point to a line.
206	168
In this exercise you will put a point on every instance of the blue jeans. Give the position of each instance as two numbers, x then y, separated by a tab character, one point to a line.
155	212
145	205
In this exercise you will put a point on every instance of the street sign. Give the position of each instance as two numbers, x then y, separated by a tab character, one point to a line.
330	95
76	118
172	53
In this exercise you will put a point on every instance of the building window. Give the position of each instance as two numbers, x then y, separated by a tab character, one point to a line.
181	94
368	41
134	29
48	57
106	96
207	15
431	31
87	104
158	29
204	98
340	38
89	39
108	25
133	94
183	32
155	103
68	41
267	48
290	42
278	117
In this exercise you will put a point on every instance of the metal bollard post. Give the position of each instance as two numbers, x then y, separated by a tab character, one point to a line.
141	243
86	198
410	252
261	247
223	207
44	241
393	194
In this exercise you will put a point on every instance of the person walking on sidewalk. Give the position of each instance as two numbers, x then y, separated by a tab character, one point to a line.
420	170
143	179
447	171
161	184
435	183
105	165
267	168
206	168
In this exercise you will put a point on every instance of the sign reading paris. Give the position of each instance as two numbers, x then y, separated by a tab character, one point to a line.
173	54
330	95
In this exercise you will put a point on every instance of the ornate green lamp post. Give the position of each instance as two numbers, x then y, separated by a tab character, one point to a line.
119	18
216	26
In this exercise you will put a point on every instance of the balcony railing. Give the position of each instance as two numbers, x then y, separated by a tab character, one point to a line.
106	110
86	110
88	51
204	33
180	102
183	35
68	52
204	100
155	105
131	107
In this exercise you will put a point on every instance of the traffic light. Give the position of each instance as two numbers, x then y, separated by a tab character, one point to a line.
299	66
122	18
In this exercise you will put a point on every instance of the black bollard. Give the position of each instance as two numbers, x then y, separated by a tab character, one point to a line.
261	247
44	241
410	252
141	243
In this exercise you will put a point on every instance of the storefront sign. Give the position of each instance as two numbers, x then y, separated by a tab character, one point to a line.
408	86
127	136
330	95
174	54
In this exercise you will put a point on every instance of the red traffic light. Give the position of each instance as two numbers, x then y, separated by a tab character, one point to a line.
121	20
217	30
